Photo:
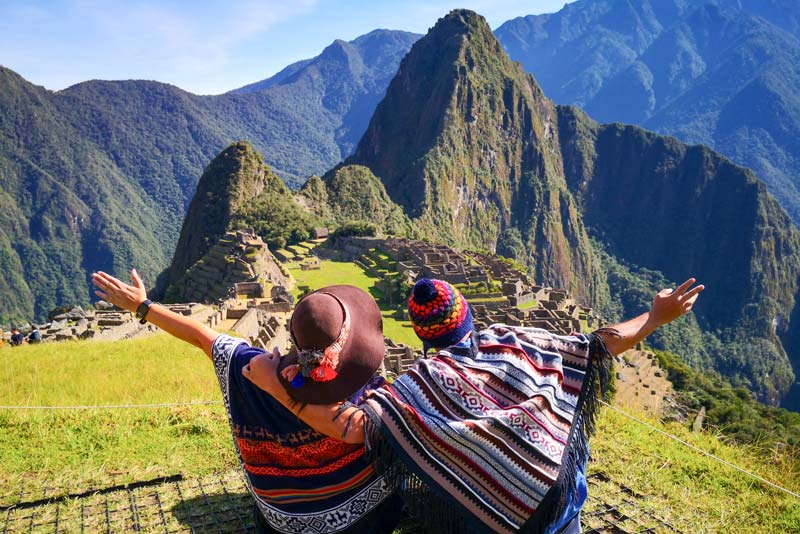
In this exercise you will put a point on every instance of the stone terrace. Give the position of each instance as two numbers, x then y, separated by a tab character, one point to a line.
518	302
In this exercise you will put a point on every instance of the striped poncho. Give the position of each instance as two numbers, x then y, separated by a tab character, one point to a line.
486	438
303	482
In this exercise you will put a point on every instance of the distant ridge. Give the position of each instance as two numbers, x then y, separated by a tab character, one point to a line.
724	73
99	176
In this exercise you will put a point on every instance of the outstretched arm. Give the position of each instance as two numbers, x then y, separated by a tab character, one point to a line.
129	297
668	305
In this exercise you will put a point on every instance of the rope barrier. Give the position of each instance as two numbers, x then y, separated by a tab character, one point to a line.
706	453
111	406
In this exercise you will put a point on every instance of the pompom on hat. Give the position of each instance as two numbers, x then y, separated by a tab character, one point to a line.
439	313
337	337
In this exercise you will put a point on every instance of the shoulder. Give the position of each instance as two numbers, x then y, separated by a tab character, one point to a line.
223	350
538	337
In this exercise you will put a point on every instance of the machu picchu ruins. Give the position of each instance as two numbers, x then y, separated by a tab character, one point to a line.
243	287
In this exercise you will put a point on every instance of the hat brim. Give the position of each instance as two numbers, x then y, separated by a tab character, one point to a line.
361	355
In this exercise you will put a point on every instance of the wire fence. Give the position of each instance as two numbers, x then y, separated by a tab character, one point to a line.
703	452
109	406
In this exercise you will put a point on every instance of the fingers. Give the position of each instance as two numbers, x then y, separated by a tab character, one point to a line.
263	361
688	303
290	372
692	293
101	295
103	280
137	280
684	286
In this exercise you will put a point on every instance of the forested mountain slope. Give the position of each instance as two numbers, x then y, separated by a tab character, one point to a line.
724	73
99	175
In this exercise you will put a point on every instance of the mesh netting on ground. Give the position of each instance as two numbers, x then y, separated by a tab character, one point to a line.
220	503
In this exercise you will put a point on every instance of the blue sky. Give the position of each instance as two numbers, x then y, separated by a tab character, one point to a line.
203	46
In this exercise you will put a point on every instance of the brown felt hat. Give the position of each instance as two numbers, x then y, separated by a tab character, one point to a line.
316	324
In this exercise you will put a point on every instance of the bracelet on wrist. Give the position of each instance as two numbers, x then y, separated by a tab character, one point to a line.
141	311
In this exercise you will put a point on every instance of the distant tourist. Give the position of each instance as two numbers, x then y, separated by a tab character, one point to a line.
302	479
16	337
35	336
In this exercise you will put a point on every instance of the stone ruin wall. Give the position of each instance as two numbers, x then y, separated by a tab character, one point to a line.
264	321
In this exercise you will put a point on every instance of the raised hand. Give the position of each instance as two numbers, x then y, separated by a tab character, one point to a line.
670	304
117	292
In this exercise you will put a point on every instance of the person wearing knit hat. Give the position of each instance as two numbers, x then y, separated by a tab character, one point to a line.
439	313
447	395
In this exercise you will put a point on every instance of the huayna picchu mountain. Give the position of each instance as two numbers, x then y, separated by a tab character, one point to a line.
237	190
473	151
467	143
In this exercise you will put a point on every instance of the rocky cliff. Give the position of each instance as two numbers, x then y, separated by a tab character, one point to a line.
685	210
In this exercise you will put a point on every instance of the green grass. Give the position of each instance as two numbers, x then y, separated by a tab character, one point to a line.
121	372
696	493
334	272
77	449
399	331
531	304
73	450
485	300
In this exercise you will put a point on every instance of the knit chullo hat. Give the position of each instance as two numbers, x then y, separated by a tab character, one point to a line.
439	313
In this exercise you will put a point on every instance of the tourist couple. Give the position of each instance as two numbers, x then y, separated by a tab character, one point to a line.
490	434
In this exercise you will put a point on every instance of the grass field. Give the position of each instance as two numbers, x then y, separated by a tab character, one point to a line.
71	450
79	449
698	494
76	450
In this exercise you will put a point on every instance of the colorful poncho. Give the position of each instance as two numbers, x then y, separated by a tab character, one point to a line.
302	481
486	438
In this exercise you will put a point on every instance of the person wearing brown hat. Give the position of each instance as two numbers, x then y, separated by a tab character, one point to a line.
491	433
303	479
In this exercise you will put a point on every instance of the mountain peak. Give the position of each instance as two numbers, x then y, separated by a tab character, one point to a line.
338	50
234	177
466	18
466	143
461	28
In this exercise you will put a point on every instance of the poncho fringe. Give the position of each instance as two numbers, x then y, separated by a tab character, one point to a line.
427	491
